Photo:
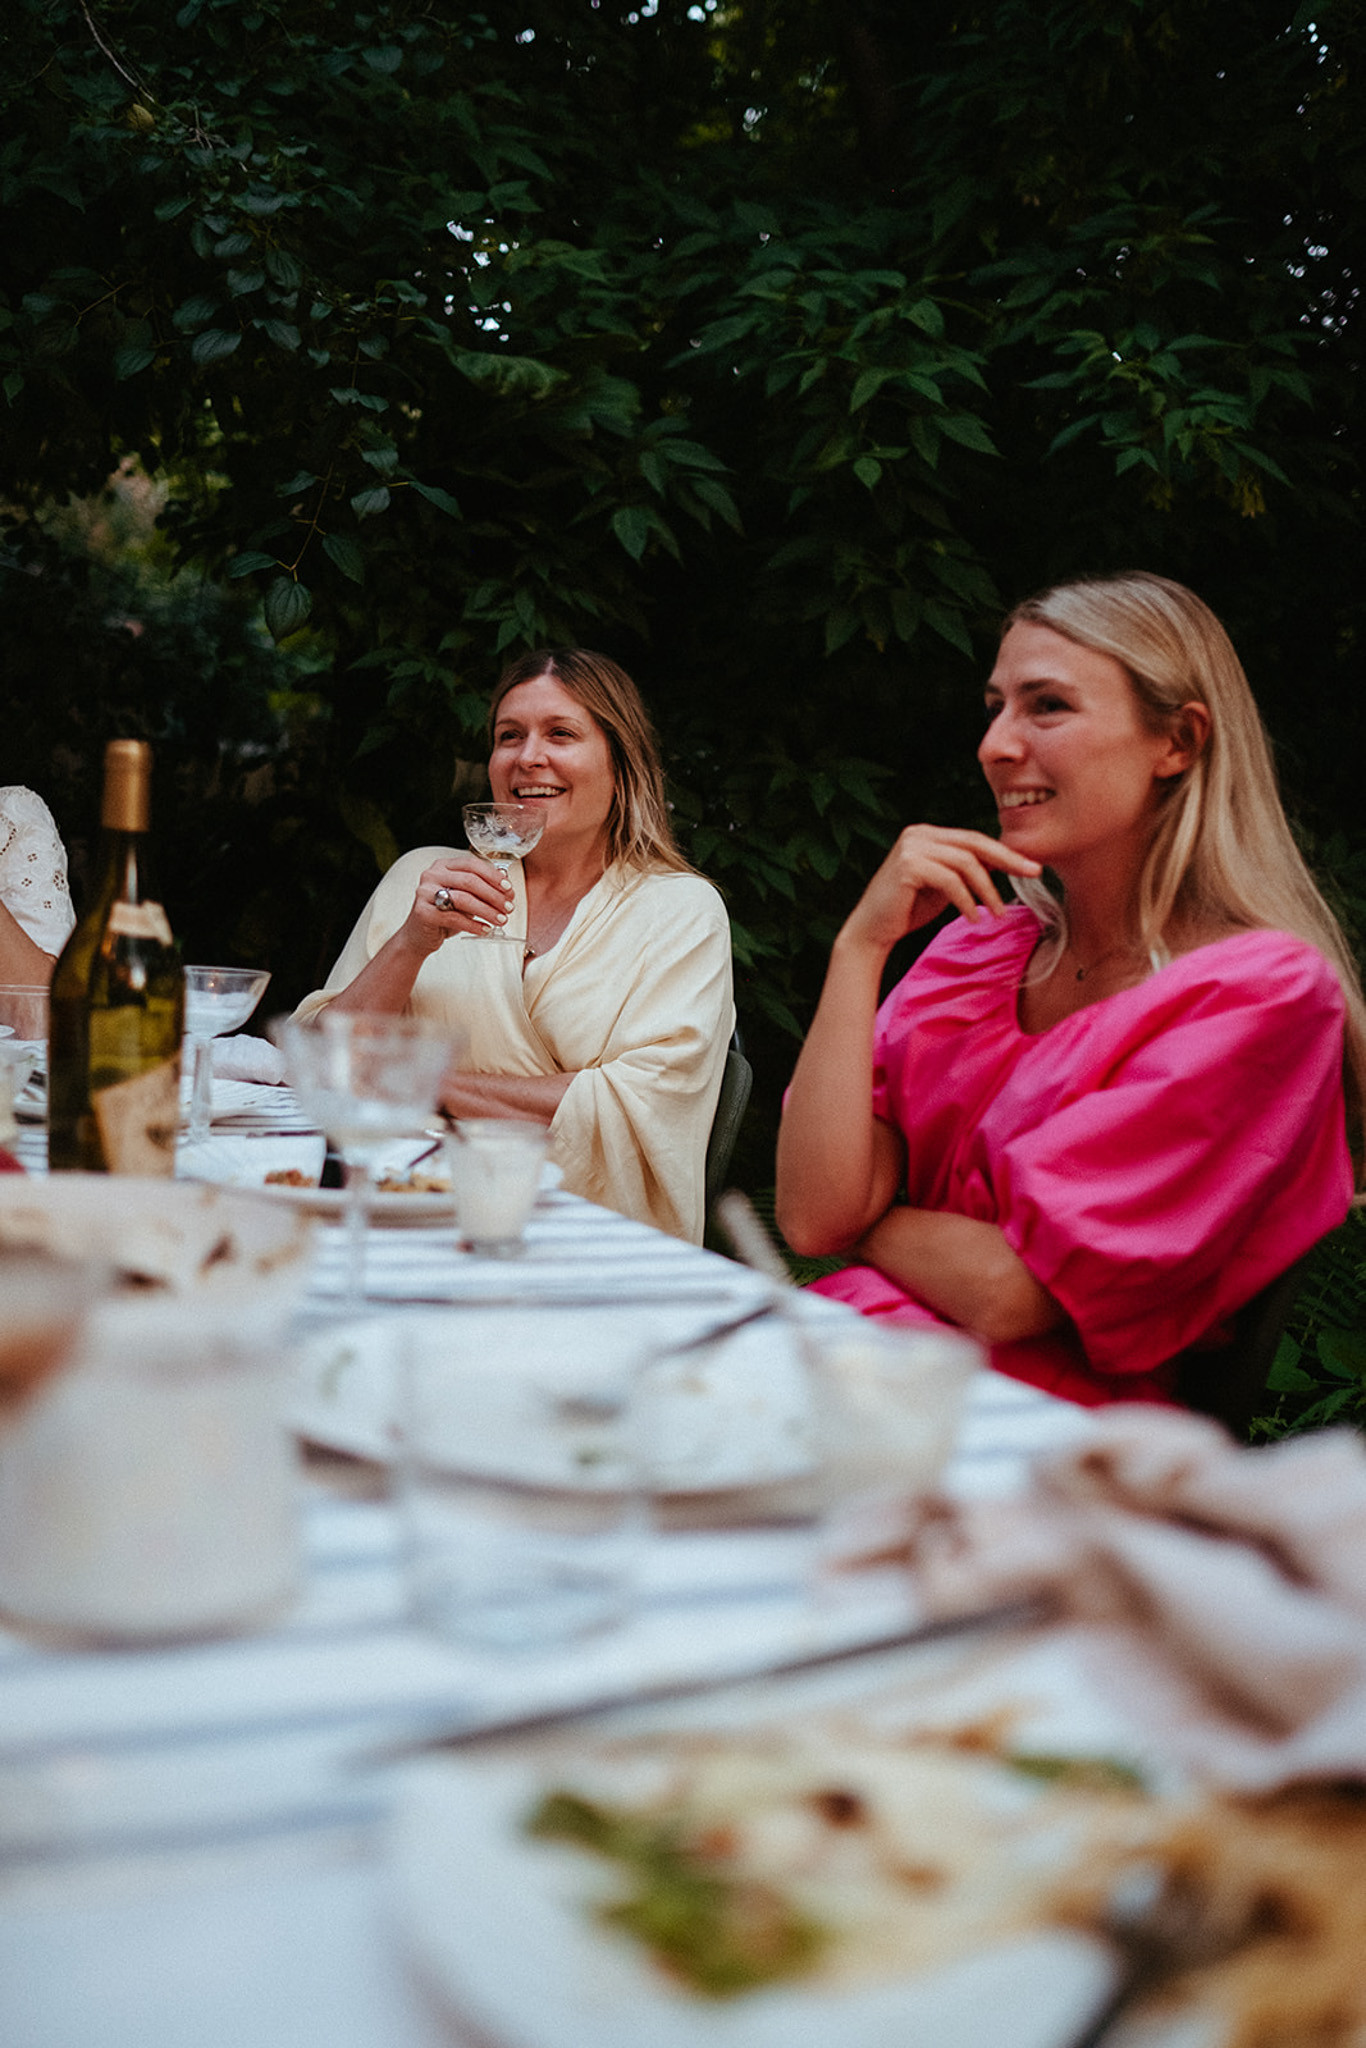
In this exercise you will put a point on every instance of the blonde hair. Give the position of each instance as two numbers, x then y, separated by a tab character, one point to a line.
638	829
1221	852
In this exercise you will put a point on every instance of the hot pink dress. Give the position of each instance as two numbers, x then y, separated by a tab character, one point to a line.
1155	1159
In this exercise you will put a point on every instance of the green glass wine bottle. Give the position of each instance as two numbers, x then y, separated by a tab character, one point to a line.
117	1003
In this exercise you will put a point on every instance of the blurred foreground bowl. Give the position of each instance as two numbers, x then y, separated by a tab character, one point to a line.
148	1487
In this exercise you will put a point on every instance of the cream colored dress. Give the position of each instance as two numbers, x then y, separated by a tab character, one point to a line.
634	1000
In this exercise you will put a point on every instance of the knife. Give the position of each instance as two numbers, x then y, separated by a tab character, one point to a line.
546	1720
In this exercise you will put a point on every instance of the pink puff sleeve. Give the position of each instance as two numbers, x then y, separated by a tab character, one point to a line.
1196	1150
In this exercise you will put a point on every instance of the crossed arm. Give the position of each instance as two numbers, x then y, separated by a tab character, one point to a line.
839	1166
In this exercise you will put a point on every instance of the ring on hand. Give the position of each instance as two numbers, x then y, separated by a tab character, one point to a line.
443	899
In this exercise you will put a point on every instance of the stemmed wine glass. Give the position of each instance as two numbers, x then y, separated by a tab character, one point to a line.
502	833
365	1080
217	999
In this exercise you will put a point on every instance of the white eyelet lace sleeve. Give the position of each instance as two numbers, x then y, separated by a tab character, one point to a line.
33	884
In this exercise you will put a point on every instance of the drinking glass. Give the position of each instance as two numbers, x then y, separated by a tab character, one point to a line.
365	1080
502	833
831	1423
217	999
519	1484
495	1168
888	1401
23	1014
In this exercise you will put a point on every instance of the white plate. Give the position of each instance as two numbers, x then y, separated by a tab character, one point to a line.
395	1206
502	1926
243	1159
736	1418
381	1208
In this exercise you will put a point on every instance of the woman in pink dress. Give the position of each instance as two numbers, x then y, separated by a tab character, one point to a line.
1088	1127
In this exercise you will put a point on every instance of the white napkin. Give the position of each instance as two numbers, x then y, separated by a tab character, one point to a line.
244	1058
1224	1589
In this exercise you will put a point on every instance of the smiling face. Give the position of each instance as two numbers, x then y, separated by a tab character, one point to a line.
1075	771
550	753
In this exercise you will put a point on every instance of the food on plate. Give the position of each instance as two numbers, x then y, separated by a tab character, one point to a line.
413	1183
836	1853
1290	1868
290	1177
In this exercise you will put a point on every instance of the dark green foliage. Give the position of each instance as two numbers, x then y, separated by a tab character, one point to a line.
769	346
1319	1371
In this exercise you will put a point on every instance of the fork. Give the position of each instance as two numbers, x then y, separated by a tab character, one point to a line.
1161	1923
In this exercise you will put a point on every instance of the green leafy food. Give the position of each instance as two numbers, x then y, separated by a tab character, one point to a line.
718	1935
1082	1773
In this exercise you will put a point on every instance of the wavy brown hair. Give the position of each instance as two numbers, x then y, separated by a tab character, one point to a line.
1222	852
638	829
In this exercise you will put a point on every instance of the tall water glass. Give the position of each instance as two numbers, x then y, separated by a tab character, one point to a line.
520	1484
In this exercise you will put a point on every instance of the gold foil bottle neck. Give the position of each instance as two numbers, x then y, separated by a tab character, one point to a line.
127	786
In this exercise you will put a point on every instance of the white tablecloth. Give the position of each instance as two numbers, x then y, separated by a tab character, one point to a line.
188	1848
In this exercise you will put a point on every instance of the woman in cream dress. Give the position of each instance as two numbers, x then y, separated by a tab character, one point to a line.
609	1021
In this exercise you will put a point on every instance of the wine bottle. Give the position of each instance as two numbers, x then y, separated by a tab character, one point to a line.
117	1002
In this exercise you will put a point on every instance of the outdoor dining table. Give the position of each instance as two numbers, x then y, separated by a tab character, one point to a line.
192	1837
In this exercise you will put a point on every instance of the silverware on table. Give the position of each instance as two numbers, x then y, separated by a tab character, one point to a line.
1161	1924
547	1720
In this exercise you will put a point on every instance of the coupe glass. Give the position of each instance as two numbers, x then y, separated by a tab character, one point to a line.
217	999
502	833
366	1080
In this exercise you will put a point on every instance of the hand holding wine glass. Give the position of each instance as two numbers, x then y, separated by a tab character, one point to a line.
502	833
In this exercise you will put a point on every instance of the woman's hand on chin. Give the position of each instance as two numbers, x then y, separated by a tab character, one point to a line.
459	893
929	867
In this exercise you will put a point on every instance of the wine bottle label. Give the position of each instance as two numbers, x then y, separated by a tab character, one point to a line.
138	1120
139	921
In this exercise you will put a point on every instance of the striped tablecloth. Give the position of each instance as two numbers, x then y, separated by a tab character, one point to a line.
188	1837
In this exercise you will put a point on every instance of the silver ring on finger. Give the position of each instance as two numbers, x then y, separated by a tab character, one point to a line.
443	899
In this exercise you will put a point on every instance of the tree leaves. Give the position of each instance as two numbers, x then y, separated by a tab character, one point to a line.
287	606
497	308
347	554
434	495
214	344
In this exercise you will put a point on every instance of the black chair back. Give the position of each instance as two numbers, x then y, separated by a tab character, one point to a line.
732	1103
1230	1384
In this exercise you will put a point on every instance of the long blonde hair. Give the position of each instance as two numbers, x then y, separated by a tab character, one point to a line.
1221	852
638	829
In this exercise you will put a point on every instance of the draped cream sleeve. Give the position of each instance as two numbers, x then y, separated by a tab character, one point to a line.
634	1001
637	1006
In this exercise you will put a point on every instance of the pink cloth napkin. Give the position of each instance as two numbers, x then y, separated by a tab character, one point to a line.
1223	1589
